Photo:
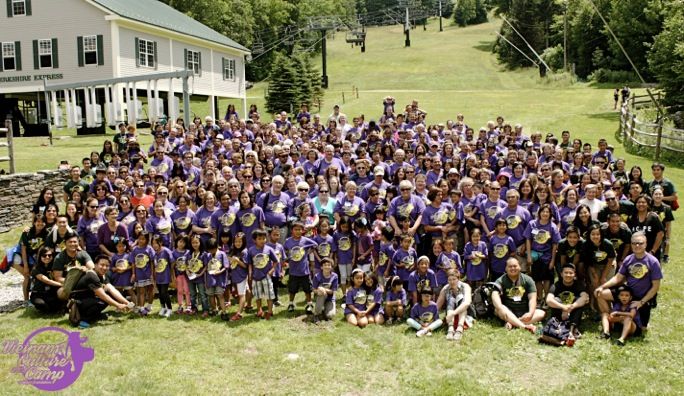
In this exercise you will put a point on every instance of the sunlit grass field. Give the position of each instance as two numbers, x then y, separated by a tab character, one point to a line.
448	73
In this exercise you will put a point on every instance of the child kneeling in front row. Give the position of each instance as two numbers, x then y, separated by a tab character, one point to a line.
325	284
623	314
424	314
396	300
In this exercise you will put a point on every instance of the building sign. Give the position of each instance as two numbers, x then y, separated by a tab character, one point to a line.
35	77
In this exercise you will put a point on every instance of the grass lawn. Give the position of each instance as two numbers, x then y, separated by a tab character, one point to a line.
448	72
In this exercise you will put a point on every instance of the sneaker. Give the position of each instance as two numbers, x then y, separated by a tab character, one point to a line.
25	304
144	311
130	305
290	307
169	312
421	332
162	312
236	317
605	336
180	311
315	319
619	342
83	325
666	259
187	311
450	335
309	309
390	322
249	308
224	316
429	333
277	303
205	314
458	335
343	306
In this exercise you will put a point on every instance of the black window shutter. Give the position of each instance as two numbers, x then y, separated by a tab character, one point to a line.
199	59
36	59
100	49
28	7
10	12
55	54
17	55
137	52
79	51
223	67
2	62
155	55
185	56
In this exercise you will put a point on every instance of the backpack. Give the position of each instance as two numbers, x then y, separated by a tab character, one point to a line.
555	332
481	306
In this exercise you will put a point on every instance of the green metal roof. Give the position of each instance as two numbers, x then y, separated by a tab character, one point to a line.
158	14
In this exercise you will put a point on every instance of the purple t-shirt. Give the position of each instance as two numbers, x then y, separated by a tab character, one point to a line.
444	263
517	221
345	247
331	282
249	220
275	210
543	237
420	281
142	259
106	237
160	226
403	261
617	307
87	229
162	266
214	263
122	279
443	215
261	261
238	273
326	248
385	257
298	255
640	273
425	315
353	208
180	262
501	248
489	210
376	297
224	219
182	221
412	208
203	219
196	267
280	254
393	296
356	297
363	243
476	261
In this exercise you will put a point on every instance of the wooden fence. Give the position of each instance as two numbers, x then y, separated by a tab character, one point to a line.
656	135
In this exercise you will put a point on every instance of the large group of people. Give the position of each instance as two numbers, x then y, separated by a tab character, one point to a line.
396	220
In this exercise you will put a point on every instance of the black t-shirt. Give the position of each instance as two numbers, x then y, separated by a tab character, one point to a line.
33	240
56	241
619	239
86	286
63	262
567	294
593	255
40	269
651	227
625	211
664	213
564	249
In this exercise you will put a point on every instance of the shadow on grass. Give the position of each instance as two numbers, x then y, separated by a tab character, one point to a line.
485	46
607	116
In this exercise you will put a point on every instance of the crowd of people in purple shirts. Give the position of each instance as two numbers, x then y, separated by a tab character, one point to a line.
396	220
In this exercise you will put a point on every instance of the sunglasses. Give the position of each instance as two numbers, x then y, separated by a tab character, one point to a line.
139	185
92	207
48	255
323	191
303	189
140	211
405	189
163	193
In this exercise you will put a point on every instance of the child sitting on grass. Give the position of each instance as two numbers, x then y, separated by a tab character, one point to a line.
424	315
325	284
396	300
624	316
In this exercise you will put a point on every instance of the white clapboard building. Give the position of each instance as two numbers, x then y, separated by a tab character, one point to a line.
94	57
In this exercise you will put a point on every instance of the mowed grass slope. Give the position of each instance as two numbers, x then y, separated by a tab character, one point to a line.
447	72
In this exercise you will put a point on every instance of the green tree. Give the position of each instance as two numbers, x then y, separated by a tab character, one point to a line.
283	93
464	12
666	57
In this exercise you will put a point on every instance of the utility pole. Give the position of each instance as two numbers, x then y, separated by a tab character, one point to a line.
565	37
407	29
440	16
324	77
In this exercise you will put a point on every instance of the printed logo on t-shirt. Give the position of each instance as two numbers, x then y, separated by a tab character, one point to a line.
360	297
492	211
405	210
600	255
214	265
382	258
195	265
36	243
95	226
426	317
260	260
516	293
567	297
500	250
164	227
638	270
121	264
206	222
277	207
542	236
247	219
297	253
477	258
351	210
324	249
408	260
141	260
344	243
183	222
160	265
227	219
181	264
440	217
513	221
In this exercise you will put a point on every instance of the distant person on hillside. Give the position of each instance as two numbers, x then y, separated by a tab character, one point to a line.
625	94
616	97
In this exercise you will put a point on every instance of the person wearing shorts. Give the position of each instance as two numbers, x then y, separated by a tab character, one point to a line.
516	301
261	261
70	265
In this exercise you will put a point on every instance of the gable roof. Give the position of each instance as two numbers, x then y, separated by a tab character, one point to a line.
158	14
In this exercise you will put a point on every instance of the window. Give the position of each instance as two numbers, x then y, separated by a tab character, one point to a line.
9	60
146	49
90	50
18	7
45	53
229	69
192	61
